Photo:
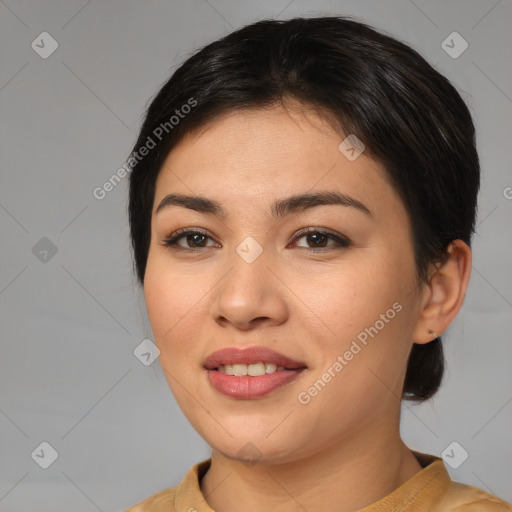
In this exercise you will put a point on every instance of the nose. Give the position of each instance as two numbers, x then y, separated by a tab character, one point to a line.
250	295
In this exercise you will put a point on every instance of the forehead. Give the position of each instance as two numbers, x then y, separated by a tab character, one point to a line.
255	156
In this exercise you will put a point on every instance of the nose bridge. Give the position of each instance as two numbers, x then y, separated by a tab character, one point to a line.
250	289
249	274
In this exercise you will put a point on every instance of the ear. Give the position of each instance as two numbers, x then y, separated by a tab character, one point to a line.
444	294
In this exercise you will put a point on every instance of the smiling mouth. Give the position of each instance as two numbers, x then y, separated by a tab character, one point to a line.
251	373
252	370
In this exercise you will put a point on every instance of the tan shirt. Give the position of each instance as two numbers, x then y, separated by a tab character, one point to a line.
429	490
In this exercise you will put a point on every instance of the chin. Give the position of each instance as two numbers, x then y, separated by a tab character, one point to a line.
251	451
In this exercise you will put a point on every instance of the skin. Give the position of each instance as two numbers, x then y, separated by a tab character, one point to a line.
343	446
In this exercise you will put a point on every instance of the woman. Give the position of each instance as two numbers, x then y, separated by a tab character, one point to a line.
302	201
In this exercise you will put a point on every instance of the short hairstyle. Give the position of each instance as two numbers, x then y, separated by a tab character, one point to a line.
410	118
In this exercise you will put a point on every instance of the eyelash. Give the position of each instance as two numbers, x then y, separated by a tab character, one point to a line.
342	241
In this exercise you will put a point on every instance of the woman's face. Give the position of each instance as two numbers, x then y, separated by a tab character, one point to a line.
347	309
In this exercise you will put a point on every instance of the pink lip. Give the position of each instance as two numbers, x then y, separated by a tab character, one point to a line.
250	355
246	387
250	388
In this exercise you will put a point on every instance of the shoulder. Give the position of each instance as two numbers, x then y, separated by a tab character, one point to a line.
161	501
180	497
433	489
460	497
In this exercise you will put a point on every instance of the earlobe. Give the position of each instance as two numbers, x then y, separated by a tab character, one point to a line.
445	292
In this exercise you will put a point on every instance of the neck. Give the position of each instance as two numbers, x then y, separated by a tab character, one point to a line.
353	473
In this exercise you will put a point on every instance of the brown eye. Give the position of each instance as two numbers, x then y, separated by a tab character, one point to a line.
196	240
192	239
321	239
317	239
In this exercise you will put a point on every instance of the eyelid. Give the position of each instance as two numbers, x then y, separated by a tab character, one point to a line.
183	231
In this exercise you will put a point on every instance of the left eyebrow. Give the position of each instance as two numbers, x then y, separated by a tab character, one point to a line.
301	202
281	208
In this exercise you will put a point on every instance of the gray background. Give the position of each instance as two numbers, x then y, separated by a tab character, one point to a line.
70	323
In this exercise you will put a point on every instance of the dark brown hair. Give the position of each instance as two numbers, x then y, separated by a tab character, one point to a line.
410	118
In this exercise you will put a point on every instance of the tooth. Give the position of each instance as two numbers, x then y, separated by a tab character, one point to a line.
270	368
239	370
256	369
253	369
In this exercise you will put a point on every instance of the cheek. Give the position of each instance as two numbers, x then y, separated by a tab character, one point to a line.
367	303
349	298
171	300
174	307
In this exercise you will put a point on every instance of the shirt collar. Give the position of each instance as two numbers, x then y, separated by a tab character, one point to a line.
425	488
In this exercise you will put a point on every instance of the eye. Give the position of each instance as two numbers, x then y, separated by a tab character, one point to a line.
319	239
193	239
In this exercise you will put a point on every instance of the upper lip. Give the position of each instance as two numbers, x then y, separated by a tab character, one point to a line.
256	354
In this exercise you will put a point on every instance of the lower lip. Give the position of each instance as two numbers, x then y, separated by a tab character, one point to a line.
249	388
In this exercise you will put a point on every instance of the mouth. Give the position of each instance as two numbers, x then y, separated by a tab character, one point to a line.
253	359
251	373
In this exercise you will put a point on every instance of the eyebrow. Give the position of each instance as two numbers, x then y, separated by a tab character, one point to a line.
280	208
